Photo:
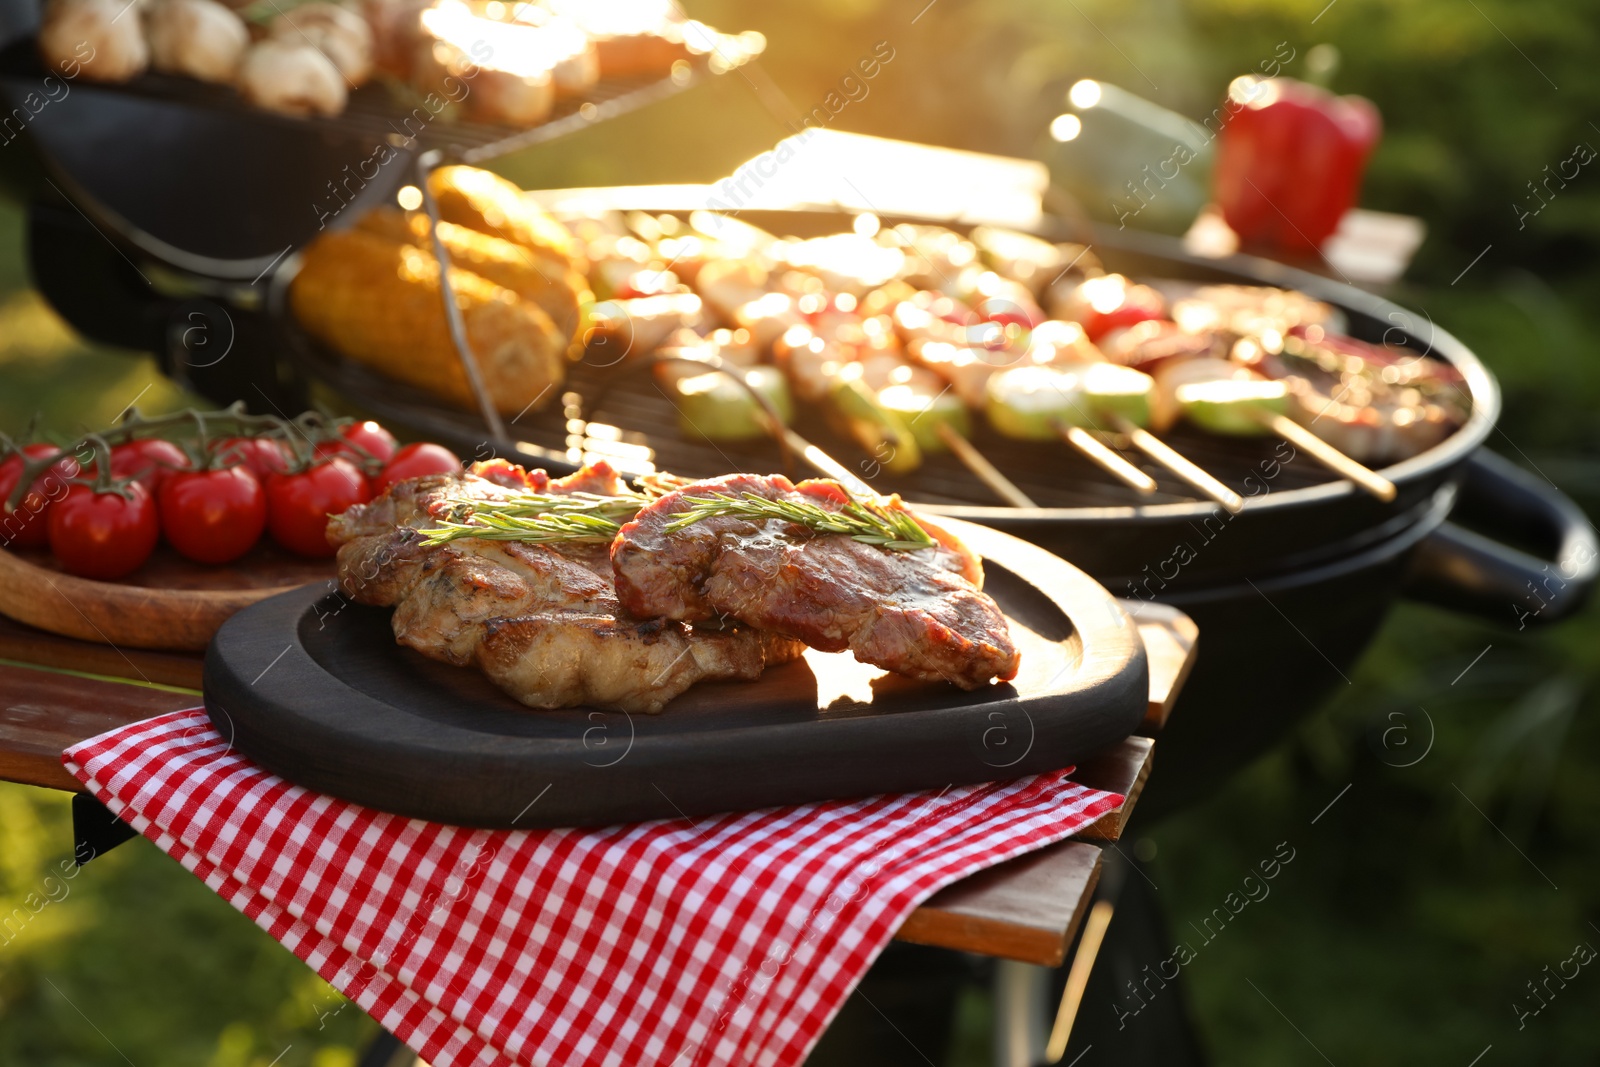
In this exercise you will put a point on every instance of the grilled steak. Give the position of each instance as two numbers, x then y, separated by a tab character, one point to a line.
919	613
543	622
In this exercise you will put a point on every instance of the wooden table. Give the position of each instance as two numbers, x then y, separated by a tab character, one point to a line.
1028	909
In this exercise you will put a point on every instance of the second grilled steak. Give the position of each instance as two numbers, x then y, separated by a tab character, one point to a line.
919	613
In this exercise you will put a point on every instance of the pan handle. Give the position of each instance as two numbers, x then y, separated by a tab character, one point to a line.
1470	572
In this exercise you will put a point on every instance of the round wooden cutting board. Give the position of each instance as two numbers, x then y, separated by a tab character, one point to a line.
169	603
315	688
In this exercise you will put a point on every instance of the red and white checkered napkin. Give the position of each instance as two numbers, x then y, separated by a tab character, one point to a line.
732	940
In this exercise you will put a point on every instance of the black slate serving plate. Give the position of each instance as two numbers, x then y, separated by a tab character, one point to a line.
314	688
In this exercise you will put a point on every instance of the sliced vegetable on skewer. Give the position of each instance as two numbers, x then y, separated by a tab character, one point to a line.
1171	375
716	407
1236	407
720	390
1253	407
1041	403
827	374
1111	392
921	399
1029	401
882	433
927	414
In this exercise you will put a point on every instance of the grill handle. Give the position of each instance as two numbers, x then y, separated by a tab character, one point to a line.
1458	568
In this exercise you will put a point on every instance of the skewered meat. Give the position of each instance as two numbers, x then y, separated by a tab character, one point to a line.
1251	310
638	327
1371	402
542	622
1106	303
92	38
919	613
198	38
1036	263
295	79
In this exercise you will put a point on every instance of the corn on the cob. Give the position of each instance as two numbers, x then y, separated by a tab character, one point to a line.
378	302
488	203
540	278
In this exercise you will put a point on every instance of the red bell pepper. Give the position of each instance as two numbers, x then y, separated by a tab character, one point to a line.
1290	161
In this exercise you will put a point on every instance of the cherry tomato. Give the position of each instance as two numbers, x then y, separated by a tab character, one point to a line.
413	461
263	455
298	505
148	462
28	525
104	535
212	516
379	443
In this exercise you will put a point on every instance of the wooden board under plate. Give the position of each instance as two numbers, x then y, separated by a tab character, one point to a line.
316	689
169	603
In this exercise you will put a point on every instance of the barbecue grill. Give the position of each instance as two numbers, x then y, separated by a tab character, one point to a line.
1288	592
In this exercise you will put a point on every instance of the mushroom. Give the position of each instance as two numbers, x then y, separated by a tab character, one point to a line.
90	37
294	79
199	38
337	32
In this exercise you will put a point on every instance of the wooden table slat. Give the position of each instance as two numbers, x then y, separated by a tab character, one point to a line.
1170	640
1025	909
25	644
1121	769
43	712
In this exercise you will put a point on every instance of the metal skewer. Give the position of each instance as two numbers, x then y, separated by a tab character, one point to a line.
1113	464
987	472
1327	455
1164	454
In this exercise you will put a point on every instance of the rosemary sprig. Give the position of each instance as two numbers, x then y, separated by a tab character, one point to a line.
534	530
864	521
528	504
536	518
551	518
